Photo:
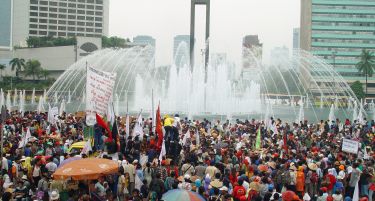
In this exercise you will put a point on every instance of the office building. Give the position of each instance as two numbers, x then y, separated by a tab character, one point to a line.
296	38
143	40
6	24
337	31
58	18
251	57
181	47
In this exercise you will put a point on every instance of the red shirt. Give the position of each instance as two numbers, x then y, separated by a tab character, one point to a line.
239	191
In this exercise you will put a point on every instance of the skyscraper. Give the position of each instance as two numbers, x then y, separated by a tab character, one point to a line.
6	24
59	18
181	47
251	55
296	38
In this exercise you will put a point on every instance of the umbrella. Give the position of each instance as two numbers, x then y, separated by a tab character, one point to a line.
86	169
181	195
69	160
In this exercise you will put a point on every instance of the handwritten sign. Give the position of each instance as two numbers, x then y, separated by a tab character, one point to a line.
350	146
99	89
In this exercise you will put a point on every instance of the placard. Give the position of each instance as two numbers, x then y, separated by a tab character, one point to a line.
99	89
350	146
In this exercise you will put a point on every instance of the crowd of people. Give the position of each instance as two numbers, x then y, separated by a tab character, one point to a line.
242	160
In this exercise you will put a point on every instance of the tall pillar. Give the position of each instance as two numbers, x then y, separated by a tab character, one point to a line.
192	32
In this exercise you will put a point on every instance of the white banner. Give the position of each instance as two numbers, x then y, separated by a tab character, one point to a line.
350	146
99	89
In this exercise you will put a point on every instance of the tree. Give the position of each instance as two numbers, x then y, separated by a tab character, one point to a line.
32	68
357	88
17	65
43	73
2	67
114	42
366	65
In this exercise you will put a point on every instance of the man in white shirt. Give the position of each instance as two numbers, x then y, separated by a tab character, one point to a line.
4	163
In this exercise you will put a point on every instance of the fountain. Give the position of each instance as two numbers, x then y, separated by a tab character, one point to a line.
331	116
62	107
33	97
2	98
15	97
69	97
8	102
231	90
40	107
355	113
301	113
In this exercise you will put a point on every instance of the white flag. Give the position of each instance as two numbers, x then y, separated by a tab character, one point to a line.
356	193
110	113
138	183
163	152
186	136
138	128
25	139
87	147
197	138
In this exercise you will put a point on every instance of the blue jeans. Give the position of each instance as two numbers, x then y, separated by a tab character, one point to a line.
364	190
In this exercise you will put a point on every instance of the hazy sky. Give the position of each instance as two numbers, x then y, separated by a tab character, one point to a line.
272	20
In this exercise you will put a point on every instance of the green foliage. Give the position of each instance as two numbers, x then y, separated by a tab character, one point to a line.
2	66
114	42
367	63
24	84
17	64
43	73
48	41
357	88
32	68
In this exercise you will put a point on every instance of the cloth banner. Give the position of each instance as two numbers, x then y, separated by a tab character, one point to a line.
99	90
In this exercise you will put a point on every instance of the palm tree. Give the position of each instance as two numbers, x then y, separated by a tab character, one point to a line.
17	64
366	65
32	68
2	67
43	73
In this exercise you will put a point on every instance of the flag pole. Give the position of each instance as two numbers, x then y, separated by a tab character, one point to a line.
152	111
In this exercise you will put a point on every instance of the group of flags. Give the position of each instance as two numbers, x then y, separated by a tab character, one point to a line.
113	134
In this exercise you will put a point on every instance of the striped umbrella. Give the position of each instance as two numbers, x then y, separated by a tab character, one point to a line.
182	195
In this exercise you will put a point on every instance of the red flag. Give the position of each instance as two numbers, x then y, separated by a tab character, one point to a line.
104	125
158	128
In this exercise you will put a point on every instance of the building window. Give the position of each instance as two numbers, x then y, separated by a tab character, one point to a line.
43	8
33	32
90	18
43	33
80	23
90	7
62	10
90	12
43	14
33	26
62	22
53	9
61	34
36	20
80	29
99	7
52	33
34	1
62	4
90	1
71	34
33	14
62	28
42	20
89	30
62	16
72	17
99	1
72	5
89	24
80	17
80	6
53	15
80	34
98	13
51	3
42	26
71	11
43	2
98	19
71	28
98	24
33	7
82	12
98	30
71	22
52	27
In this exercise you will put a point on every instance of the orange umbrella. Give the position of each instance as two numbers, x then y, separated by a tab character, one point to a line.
86	169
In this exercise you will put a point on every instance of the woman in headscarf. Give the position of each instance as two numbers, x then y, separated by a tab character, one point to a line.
300	182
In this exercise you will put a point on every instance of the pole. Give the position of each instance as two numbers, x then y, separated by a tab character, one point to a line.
152	111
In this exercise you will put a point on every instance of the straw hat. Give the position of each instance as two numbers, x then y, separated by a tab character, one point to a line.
312	166
216	183
272	164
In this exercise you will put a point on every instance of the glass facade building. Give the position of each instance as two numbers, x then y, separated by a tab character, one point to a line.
6	23
337	31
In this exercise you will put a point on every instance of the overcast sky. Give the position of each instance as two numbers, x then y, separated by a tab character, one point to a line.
272	20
